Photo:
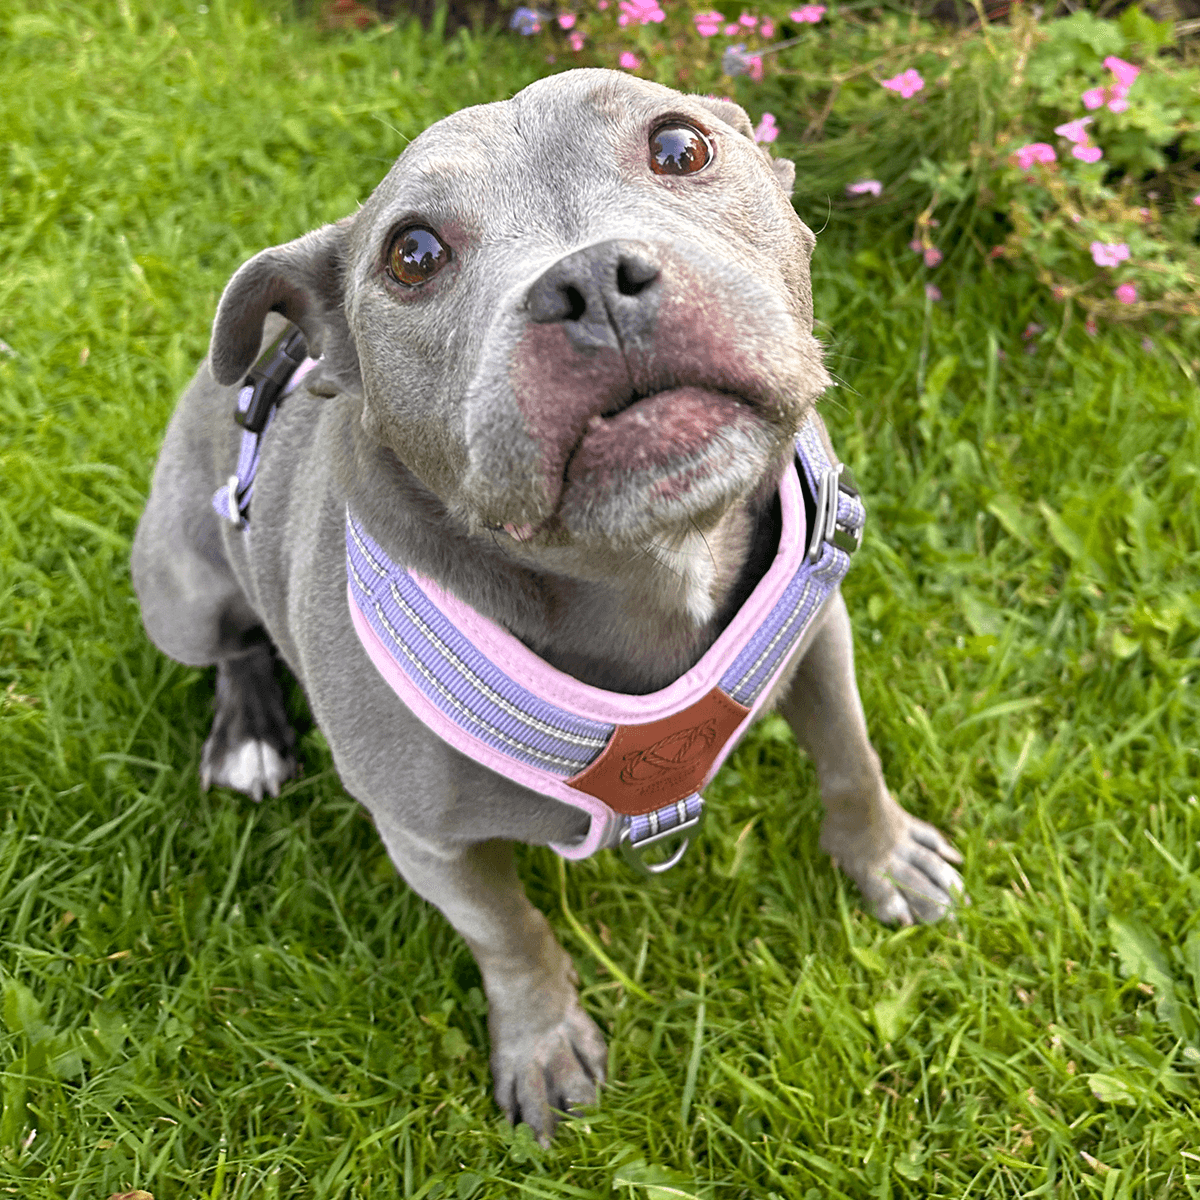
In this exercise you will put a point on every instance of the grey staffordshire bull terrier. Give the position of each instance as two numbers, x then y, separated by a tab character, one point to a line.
564	349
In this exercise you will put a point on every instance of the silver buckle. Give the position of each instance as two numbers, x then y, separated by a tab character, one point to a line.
825	526
632	851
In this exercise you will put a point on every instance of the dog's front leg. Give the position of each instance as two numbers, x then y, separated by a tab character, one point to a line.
902	866
548	1056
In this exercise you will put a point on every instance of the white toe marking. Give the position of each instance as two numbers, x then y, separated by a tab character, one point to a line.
254	767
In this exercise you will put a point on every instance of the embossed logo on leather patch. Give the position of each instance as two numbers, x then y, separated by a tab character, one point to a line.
645	767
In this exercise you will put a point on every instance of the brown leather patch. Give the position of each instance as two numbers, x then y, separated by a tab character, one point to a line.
645	767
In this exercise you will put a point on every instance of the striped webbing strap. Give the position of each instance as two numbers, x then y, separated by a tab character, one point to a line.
469	698
277	373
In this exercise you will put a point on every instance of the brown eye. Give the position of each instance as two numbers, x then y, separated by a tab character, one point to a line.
416	254
678	150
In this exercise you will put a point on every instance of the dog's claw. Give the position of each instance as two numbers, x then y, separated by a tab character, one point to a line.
539	1078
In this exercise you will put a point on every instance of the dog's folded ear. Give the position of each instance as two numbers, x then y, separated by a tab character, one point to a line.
303	280
737	117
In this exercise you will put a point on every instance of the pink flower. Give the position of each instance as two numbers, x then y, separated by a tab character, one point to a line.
1035	152
748	19
1090	326
863	186
766	130
996	252
1125	72
907	83
1147	345
1113	96
1087	154
730	30
756	68
566	20
767	29
810	14
642	11
1126	293
1073	131
1109	254
1058	292
708	23
629	61
1031	330
915	245
933	256
576	40
932	292
601	4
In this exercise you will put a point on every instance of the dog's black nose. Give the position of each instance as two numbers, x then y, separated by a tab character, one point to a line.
603	296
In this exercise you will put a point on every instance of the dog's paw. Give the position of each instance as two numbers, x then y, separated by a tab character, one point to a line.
253	767
249	748
912	880
540	1076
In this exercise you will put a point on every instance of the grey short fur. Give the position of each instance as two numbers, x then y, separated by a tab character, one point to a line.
547	377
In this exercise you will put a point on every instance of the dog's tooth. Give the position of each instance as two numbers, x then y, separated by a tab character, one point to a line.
519	533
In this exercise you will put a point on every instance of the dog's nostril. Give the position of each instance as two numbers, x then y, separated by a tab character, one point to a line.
634	274
576	304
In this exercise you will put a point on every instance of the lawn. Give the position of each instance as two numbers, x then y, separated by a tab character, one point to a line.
207	998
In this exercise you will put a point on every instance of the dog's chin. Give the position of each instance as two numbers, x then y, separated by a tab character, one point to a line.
672	462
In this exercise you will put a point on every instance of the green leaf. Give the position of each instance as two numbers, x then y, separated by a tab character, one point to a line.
1110	1089
659	1183
871	959
1124	647
23	1011
1150	34
1141	956
454	1044
894	1015
1007	510
1065	538
982	618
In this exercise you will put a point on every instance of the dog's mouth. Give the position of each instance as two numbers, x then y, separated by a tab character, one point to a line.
656	431
662	459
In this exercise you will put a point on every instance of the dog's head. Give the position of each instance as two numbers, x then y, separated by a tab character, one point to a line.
582	314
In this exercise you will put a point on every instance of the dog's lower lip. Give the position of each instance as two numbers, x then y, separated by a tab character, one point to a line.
655	432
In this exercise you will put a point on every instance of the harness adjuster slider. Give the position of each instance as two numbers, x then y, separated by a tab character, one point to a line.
834	480
267	378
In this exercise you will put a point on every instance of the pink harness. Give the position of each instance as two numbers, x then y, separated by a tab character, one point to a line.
636	765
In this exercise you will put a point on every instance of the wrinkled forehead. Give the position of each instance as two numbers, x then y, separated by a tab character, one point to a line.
563	136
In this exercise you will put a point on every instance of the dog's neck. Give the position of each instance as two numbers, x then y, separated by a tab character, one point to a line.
626	619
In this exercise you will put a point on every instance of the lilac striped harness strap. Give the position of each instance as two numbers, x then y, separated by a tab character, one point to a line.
636	765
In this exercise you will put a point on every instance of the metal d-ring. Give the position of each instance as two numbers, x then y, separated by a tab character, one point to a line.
632	851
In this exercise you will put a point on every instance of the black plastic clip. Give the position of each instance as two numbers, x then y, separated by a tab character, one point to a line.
268	377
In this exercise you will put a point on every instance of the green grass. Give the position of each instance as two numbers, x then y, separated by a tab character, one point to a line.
207	998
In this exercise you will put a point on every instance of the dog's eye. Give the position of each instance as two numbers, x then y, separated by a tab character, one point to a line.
416	254
678	150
